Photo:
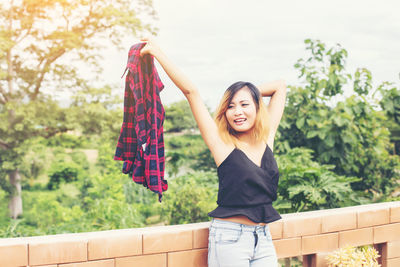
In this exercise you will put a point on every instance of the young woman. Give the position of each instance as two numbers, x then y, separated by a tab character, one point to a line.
241	140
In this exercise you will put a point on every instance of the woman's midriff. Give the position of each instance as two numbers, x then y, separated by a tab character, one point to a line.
241	219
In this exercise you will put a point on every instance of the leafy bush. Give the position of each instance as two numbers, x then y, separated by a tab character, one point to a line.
105	162
67	140
187	152
63	172
34	162
178	117
307	185
67	168
80	158
190	197
64	211
43	215
46	211
390	104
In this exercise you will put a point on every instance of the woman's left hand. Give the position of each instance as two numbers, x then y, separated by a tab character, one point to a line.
151	47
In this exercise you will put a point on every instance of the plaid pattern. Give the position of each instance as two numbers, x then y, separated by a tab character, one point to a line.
141	141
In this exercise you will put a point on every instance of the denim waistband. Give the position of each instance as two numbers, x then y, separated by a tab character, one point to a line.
238	226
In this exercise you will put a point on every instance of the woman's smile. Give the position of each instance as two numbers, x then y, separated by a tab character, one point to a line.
240	121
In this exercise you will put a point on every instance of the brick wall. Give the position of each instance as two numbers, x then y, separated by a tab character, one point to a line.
309	234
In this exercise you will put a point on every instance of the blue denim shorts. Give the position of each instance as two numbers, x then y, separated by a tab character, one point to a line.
238	245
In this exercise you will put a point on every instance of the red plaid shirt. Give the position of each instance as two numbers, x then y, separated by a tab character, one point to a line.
141	141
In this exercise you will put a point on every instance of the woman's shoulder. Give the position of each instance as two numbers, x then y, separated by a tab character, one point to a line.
221	152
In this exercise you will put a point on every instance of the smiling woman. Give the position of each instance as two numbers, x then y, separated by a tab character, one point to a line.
240	140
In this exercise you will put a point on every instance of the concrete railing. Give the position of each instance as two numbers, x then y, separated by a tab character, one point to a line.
308	234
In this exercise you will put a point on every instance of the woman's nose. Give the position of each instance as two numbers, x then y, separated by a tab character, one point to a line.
238	111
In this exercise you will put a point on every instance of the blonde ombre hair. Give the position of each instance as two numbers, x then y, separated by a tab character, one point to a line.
261	124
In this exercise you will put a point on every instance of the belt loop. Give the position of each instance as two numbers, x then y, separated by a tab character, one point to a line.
265	230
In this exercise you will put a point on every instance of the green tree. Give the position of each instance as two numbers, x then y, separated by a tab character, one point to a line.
307	185
350	134
98	112
39	43
390	104
187	152
179	117
190	197
33	162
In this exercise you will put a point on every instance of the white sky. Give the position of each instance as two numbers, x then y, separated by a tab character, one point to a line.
218	42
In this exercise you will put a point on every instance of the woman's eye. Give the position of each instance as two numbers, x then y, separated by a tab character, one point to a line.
230	106
243	105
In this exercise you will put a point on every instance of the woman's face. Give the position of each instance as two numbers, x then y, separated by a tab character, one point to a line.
241	112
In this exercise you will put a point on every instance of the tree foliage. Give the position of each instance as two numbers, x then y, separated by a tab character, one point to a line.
46	31
307	185
350	134
190	197
179	117
97	112
390	104
41	43
187	152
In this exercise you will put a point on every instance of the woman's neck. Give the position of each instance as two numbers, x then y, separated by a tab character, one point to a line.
247	139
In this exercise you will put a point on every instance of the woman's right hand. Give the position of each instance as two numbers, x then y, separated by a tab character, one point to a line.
151	47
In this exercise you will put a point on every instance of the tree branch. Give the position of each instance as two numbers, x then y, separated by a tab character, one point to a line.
23	36
8	53
4	145
44	70
3	96
58	54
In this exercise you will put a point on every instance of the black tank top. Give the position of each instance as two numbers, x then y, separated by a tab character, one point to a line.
247	189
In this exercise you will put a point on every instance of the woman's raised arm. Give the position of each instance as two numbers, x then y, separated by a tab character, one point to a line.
174	73
277	91
207	126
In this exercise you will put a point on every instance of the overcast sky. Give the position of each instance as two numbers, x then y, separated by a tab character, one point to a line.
218	42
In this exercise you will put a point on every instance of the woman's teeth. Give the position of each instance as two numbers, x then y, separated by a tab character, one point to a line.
239	121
